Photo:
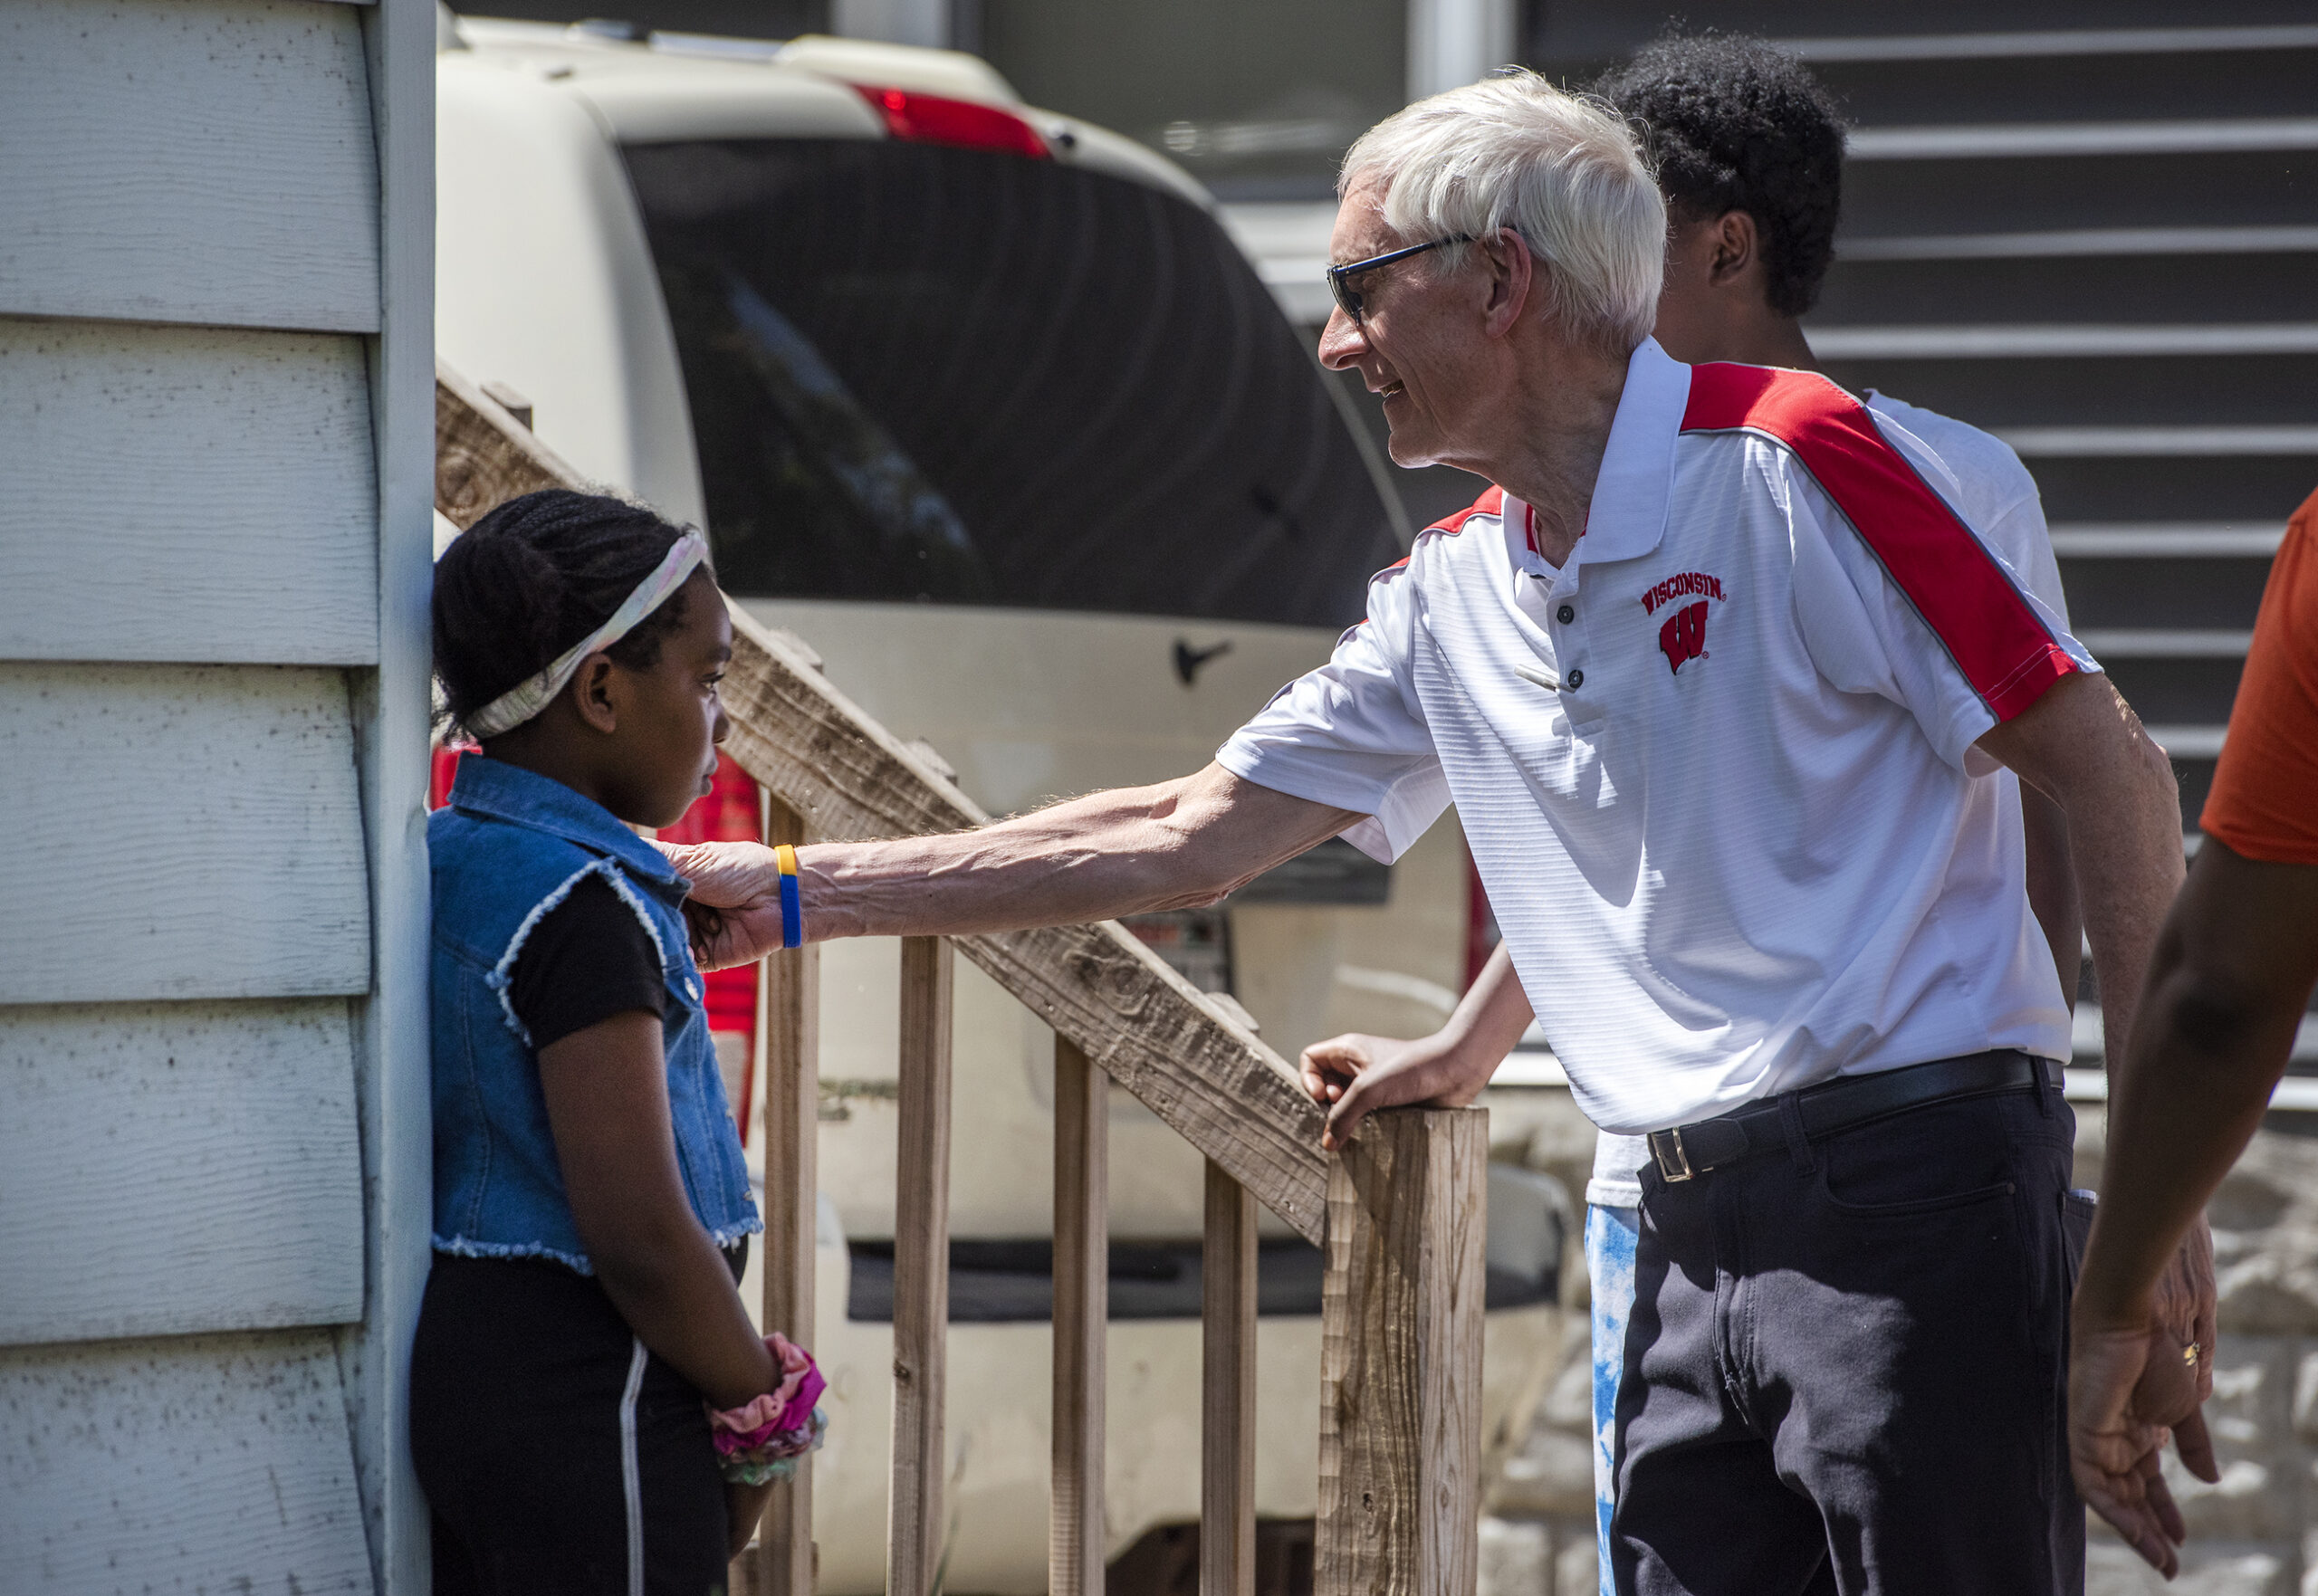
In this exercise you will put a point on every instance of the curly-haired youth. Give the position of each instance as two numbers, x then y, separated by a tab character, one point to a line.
534	577
1735	125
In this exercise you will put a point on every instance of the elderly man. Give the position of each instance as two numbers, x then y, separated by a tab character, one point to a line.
1713	676
1748	149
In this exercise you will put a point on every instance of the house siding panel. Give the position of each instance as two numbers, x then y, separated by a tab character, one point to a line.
217	415
172	1167
185	493
189	160
179	832
196	1464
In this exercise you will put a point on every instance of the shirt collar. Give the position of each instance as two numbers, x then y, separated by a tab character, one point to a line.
503	791
1628	514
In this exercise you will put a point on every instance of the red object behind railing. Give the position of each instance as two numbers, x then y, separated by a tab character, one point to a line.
1480	924
933	119
727	814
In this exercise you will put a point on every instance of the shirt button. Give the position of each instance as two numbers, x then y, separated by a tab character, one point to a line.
1566	614
1577	679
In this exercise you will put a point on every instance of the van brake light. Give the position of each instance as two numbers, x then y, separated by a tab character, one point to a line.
933	119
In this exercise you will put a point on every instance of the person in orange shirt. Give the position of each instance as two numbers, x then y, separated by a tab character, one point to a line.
2226	992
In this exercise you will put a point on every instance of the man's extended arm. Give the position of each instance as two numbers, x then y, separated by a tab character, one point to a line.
2234	966
1121	852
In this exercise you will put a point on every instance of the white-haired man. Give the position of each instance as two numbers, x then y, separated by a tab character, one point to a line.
1711	676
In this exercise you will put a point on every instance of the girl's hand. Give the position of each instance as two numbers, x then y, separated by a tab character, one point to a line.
743	1506
1355	1075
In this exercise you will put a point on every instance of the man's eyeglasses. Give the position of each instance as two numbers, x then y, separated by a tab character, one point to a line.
1340	277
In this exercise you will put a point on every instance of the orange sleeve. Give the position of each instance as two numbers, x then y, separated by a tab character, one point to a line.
2265	800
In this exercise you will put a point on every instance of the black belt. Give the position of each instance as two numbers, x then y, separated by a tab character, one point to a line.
1841	1105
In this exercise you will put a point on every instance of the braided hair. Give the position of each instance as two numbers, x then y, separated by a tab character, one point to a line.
1735	125
534	577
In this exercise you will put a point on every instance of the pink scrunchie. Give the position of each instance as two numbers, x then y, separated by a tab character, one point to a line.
787	1407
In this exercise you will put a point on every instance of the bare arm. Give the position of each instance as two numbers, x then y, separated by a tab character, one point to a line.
2052	886
1126	851
607	1108
1361	1074
2080	746
2233	969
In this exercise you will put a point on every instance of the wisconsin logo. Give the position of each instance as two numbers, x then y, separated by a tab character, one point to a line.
1682	638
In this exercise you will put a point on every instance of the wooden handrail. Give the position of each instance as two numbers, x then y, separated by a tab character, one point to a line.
1153	1032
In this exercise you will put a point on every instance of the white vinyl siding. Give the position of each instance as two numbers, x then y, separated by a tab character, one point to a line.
215	426
130	530
180	831
189	160
168	1168
203	1464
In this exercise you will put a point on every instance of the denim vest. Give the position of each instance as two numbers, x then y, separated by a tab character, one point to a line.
508	848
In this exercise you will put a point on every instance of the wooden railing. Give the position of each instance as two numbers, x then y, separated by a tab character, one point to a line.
1400	1212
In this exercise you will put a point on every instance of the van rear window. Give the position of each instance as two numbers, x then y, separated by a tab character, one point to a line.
965	377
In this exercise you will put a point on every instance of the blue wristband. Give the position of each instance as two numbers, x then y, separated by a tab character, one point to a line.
793	906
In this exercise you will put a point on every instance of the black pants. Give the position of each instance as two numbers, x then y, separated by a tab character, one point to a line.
558	1457
1846	1364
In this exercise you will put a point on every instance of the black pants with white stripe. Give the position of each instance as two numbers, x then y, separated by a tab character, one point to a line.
557	1456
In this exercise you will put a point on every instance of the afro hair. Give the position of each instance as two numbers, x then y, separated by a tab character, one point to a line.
1735	125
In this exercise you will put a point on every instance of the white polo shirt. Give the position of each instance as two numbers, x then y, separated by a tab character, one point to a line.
1717	772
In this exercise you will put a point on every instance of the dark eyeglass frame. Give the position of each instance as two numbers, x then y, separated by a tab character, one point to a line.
1347	297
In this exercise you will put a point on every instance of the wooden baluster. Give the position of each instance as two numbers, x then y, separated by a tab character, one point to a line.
1227	1476
1082	1308
789	1039
915	1528
1401	1357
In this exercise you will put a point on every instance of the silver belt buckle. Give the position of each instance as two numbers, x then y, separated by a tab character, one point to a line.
1676	1168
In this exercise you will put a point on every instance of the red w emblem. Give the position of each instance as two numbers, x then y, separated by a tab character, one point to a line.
1683	636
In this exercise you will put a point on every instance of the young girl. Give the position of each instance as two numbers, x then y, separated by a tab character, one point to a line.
584	1367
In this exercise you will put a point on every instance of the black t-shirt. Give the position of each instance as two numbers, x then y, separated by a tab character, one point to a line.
587	960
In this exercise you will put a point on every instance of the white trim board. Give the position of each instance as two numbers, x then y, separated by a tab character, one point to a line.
2127	441
393	704
2017	340
2037	141
2052	42
2151	643
2081	241
2181	540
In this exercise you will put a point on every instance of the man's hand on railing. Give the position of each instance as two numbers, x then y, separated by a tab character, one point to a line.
1355	1075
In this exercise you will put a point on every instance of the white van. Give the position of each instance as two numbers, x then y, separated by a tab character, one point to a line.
981	403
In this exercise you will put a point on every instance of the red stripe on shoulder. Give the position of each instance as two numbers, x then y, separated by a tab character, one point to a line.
1947	575
1491	502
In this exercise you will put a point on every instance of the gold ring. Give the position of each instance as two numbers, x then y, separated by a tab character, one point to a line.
2190	1354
